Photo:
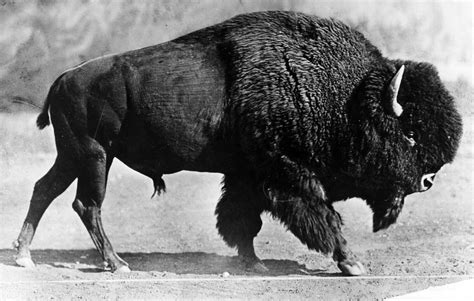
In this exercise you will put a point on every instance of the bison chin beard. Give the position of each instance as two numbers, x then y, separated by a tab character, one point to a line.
386	212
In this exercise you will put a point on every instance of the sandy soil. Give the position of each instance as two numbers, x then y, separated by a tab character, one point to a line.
174	250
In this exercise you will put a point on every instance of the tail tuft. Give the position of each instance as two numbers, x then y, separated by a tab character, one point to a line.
159	186
43	120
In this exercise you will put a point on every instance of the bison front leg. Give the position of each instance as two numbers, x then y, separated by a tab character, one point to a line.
91	187
317	225
346	261
238	218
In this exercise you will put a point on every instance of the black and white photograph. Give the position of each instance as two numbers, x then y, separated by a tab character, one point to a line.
236	150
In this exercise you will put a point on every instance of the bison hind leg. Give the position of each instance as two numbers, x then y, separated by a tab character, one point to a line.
50	186
90	195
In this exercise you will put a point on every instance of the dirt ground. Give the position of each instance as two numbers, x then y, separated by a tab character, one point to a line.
174	251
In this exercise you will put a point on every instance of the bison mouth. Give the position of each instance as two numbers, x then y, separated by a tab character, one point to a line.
386	212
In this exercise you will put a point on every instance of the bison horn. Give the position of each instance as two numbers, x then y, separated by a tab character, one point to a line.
394	87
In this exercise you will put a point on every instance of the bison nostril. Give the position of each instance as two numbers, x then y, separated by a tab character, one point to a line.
427	181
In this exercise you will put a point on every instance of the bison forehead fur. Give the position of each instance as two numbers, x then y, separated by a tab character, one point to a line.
296	111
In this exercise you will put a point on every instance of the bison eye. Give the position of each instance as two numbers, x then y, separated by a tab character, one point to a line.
410	137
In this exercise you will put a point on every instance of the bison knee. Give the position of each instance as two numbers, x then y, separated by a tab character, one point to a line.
92	150
311	221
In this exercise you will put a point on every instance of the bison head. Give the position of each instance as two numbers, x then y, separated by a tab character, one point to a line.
406	127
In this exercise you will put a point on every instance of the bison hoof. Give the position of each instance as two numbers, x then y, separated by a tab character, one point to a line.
123	269
25	262
257	267
120	267
254	265
351	268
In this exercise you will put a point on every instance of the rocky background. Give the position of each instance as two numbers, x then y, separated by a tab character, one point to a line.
41	38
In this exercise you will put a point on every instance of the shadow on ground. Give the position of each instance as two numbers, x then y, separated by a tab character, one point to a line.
88	261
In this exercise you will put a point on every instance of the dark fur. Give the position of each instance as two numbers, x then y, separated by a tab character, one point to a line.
292	109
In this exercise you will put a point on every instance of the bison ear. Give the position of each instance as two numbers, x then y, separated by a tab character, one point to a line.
397	109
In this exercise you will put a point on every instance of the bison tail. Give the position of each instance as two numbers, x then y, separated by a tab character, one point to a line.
43	119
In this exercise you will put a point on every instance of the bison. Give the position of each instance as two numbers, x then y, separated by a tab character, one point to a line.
296	111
